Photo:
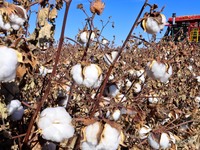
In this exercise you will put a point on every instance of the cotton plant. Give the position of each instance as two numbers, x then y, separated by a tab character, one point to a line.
88	75
159	71
55	124
98	136
8	64
15	16
15	110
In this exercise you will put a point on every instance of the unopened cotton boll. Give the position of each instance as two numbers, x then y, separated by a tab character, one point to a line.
8	64
15	110
55	124
144	131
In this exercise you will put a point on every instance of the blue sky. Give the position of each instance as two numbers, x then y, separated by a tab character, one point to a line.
123	14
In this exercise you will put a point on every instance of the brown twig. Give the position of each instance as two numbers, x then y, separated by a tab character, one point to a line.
40	104
115	60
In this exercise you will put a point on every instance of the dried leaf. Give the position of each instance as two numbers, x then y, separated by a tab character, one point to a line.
53	14
42	16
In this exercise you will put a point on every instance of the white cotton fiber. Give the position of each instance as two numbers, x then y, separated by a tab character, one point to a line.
164	20
87	146
8	64
91	75
112	90
152	26
159	71
15	110
77	74
92	132
110	138
55	124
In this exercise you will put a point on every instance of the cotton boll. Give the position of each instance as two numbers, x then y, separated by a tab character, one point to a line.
92	132
16	19
159	71
91	75
43	71
110	138
5	26
137	87
164	20
164	141
198	78
8	64
109	58
84	37
76	72
56	120
153	141
140	74
15	110
152	26
49	146
15	26
116	114
87	146
144	131
98	82
112	90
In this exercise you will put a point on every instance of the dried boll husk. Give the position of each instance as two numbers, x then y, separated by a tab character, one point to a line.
97	7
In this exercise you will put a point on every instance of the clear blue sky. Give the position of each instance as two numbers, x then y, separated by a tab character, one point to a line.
123	13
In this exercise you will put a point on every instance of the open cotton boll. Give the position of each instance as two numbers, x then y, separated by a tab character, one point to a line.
76	72
15	110
109	58
137	87
44	71
91	75
110	138
144	131
84	37
152	26
112	90
116	114
87	146
55	124
166	76
159	71
153	142
98	82
8	64
140	74
164	20
4	25
92	132
164	141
